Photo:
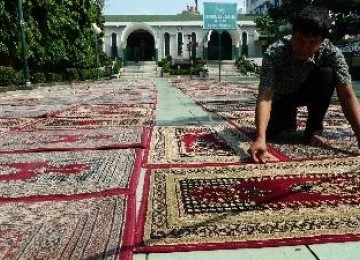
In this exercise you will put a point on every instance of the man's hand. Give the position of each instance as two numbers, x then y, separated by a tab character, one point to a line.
258	152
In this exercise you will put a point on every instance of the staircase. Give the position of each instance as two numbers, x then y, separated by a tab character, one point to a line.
141	69
228	69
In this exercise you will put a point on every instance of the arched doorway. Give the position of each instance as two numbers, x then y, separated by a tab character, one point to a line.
140	46
226	46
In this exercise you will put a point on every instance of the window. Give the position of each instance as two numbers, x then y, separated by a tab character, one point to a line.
167	44
114	53
180	43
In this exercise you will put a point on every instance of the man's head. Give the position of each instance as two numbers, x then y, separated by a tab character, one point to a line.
312	21
310	27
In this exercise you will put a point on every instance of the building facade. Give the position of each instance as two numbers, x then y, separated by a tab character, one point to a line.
154	37
241	5
260	6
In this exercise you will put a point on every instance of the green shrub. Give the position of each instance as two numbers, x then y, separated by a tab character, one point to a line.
19	78
94	73
199	62
72	74
53	77
7	76
85	74
245	65
117	66
38	77
161	63
168	58
186	71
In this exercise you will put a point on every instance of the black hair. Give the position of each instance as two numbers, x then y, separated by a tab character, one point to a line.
312	21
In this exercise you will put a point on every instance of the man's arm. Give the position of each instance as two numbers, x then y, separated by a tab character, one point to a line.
351	108
257	150
262	112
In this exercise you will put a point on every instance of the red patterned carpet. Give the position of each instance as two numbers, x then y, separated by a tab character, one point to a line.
203	193
195	145
100	138
66	229
251	206
93	123
70	163
109	110
68	173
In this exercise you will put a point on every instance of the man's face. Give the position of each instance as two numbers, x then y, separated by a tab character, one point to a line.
304	47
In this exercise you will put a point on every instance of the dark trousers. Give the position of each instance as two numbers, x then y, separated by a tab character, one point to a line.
315	93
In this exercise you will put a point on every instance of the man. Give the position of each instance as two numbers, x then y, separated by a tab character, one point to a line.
302	69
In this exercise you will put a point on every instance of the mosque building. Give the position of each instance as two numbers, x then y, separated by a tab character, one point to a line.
181	36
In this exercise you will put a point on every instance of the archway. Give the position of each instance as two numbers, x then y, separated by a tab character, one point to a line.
226	46
140	46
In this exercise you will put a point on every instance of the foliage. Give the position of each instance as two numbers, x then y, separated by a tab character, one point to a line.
6	75
245	65
58	34
161	63
199	62
118	65
344	13
165	63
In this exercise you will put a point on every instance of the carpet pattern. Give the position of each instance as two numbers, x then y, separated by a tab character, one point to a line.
252	205
198	145
98	111
7	124
66	123
70	163
63	229
7	111
66	173
120	137
332	143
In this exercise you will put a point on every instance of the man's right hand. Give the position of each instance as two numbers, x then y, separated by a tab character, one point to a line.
258	152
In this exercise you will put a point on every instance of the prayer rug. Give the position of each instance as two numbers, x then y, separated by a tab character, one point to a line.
223	106
145	98
97	228
14	101
291	145
7	124
98	111
244	120
73	123
28	111
238	114
103	138
333	118
202	145
252	205
340	139
68	173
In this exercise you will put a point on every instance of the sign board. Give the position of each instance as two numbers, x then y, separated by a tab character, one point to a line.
220	16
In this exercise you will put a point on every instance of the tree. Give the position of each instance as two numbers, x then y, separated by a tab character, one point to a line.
58	33
344	13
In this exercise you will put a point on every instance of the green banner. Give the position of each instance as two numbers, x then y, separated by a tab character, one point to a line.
220	16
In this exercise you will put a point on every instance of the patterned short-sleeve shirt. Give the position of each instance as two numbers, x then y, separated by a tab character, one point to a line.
284	74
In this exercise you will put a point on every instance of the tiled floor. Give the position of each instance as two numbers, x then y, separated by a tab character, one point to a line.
174	108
